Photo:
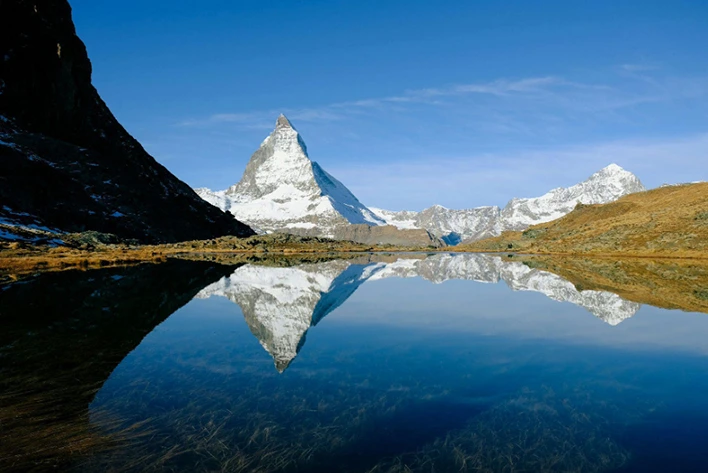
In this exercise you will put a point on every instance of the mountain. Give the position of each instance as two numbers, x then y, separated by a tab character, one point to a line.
606	185
283	190
281	304
454	226
65	162
670	221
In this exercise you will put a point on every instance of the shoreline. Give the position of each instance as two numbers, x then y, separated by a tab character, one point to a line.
38	259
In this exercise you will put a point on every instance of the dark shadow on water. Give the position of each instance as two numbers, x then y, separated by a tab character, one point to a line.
668	442
406	430
62	336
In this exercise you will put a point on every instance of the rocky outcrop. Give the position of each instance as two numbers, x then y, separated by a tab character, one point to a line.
282	190
381	235
65	161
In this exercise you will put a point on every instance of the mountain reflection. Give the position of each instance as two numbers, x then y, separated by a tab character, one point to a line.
280	304
68	335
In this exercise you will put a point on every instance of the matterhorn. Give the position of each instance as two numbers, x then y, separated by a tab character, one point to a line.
283	190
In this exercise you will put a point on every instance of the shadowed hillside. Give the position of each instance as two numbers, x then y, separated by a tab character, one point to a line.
65	161
63	334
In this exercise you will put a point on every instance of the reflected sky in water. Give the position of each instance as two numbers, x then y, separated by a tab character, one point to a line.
378	364
414	364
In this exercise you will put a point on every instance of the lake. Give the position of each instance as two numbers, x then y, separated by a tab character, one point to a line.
375	363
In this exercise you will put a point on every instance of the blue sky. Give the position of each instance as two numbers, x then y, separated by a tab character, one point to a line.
412	103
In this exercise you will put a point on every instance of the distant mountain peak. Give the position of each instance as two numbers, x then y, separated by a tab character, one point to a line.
613	168
454	226
283	121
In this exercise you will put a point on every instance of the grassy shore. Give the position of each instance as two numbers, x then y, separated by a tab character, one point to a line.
667	283
668	222
20	259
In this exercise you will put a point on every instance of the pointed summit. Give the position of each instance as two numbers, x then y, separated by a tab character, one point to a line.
283	122
613	167
282	189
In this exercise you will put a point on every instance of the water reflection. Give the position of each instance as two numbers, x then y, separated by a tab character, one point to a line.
153	368
280	304
63	334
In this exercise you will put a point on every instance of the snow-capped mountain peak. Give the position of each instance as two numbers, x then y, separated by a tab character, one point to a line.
283	189
453	226
606	185
282	121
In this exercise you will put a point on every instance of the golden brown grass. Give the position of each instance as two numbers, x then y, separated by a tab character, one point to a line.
666	222
18	260
666	283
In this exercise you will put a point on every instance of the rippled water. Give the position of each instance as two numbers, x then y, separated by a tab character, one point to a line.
376	364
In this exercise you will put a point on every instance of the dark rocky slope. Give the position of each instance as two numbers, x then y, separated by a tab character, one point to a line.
65	161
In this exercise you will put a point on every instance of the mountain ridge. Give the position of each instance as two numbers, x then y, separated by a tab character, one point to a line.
283	190
66	163
669	221
467	225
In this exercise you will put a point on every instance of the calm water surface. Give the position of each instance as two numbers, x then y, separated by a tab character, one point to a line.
446	363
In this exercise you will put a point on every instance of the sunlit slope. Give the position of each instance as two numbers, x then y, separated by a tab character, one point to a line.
668	221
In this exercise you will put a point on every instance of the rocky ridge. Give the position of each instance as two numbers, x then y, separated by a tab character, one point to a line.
283	190
66	164
455	226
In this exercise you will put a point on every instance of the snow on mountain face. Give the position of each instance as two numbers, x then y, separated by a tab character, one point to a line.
283	189
281	304
604	186
454	226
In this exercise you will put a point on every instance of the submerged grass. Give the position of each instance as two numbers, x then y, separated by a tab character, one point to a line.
43	428
276	427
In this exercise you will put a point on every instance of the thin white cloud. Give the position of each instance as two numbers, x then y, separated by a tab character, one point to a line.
338	110
639	67
525	97
494	178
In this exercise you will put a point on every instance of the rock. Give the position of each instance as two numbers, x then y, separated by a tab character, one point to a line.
65	161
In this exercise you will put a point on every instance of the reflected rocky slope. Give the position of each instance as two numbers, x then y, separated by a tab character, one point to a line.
280	304
63	334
